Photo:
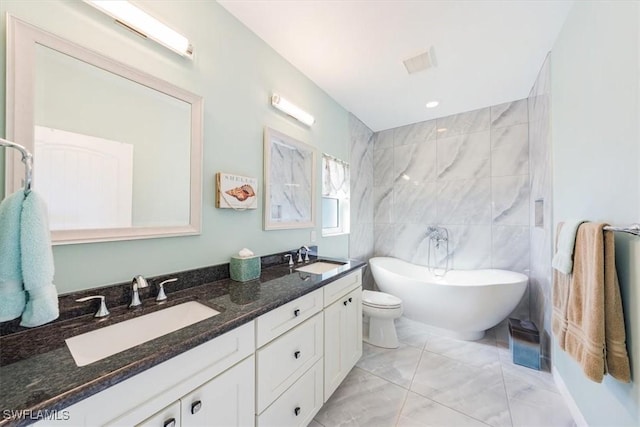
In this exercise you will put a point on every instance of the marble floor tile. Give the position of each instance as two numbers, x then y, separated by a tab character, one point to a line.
482	353
397	365
520	379
454	383
363	399
420	411
541	408
411	332
531	390
477	392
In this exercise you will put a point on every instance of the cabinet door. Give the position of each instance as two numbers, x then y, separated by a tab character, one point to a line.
353	331
227	400
342	339
168	417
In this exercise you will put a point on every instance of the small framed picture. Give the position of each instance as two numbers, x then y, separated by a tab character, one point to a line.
236	191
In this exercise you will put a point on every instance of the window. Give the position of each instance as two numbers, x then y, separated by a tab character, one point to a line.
335	196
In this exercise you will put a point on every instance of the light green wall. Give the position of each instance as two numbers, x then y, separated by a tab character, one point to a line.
596	163
235	72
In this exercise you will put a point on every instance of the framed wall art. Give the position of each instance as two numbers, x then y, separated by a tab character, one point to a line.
289	182
236	191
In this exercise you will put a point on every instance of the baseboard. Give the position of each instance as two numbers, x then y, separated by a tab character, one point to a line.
564	391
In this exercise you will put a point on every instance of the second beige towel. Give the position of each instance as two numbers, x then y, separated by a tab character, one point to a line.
588	321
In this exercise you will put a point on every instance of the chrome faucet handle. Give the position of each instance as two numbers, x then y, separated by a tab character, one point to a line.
137	282
290	259
300	255
306	253
102	311
161	295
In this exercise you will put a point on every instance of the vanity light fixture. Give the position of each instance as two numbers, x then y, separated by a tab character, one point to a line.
293	110
143	24
432	104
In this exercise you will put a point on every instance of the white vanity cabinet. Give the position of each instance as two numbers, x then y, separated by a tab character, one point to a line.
342	329
275	371
150	397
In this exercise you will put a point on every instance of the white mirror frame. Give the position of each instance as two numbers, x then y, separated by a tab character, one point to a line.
269	224
22	39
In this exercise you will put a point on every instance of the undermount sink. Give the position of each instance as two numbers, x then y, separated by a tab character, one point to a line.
101	343
319	267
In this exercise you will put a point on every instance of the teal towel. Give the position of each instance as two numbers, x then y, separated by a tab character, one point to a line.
37	263
12	295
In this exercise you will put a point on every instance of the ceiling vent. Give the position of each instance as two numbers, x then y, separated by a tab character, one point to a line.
421	62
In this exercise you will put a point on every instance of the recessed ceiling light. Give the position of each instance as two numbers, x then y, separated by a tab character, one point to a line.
442	129
432	104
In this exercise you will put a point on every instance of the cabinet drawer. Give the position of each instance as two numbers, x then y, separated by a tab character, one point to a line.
299	404
276	322
342	286
281	362
168	417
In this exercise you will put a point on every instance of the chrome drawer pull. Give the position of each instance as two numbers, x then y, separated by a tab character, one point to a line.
171	422
196	406
297	411
296	312
297	354
344	302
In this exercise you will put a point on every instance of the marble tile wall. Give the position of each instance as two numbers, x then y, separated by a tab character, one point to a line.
541	191
361	238
469	173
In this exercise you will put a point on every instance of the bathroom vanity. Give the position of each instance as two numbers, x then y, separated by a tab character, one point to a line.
279	348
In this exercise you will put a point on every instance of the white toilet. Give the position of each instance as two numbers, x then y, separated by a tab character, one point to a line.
381	309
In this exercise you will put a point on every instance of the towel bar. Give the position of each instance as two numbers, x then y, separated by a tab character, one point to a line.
27	159
632	229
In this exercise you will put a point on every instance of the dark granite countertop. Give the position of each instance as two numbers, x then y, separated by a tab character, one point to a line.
38	373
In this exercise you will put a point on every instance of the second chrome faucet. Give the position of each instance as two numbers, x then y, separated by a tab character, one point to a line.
140	282
137	283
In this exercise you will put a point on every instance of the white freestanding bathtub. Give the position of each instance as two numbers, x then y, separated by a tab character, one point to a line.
462	304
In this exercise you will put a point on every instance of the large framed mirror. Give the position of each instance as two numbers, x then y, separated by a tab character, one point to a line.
117	152
289	182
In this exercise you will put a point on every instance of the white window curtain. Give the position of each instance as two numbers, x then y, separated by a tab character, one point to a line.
335	178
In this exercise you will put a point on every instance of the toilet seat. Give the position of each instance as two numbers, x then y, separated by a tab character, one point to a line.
380	300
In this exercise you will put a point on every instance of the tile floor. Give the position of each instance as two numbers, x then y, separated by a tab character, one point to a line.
431	380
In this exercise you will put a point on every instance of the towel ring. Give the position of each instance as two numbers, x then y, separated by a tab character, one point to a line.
27	159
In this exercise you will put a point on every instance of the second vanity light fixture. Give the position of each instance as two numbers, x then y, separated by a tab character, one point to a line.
134	18
291	109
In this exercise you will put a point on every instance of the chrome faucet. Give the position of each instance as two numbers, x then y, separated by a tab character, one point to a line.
290	259
102	311
162	296
306	254
137	282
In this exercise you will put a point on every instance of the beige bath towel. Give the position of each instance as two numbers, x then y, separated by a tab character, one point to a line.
588	321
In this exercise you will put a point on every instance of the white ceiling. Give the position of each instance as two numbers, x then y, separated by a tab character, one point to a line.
487	52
